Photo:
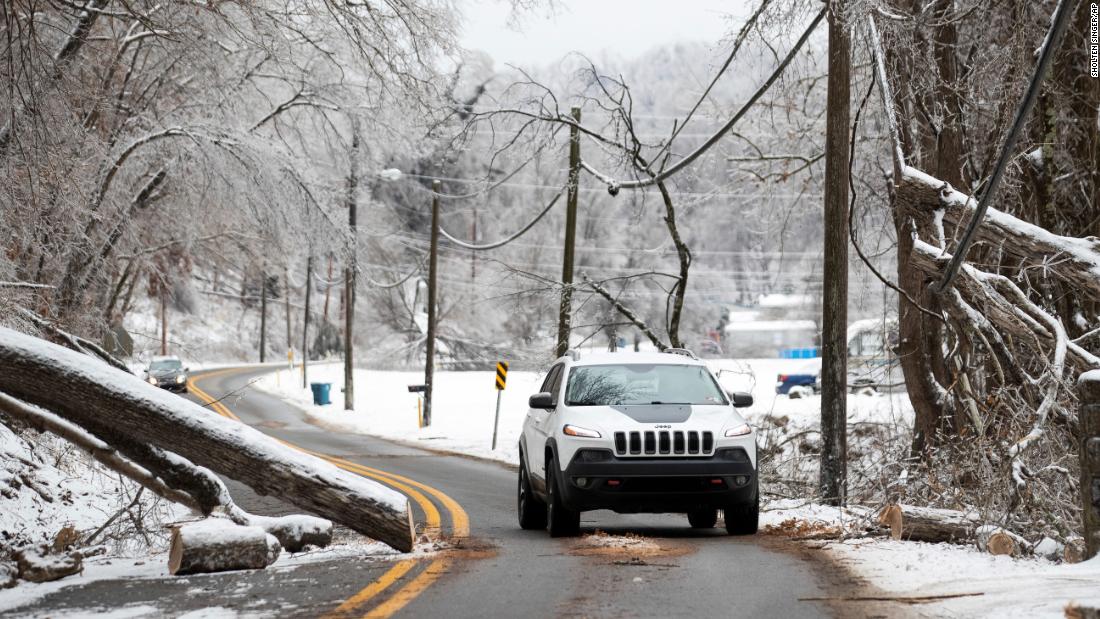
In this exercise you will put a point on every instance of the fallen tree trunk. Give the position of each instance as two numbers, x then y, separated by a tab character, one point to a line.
293	532
138	419
928	524
934	205
219	545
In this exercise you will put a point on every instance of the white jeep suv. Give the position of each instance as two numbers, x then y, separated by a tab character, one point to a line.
636	433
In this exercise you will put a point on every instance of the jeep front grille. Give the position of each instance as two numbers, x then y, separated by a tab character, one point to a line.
664	443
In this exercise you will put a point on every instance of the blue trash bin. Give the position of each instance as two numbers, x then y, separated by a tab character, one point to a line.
320	393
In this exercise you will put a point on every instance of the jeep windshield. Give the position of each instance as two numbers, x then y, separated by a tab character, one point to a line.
636	384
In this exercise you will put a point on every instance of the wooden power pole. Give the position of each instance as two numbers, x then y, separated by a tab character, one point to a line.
163	320
429	345
305	319
834	324
286	307
566	310
263	317
349	278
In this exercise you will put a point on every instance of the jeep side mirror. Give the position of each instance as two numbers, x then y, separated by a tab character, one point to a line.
741	400
542	400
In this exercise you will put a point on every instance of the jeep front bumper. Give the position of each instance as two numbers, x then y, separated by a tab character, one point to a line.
597	479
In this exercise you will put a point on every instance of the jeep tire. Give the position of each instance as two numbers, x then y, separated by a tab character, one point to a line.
743	519
560	520
531	510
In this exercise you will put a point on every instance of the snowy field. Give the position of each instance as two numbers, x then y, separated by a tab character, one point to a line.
464	403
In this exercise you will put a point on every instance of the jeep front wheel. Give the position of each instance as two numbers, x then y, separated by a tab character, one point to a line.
562	521
743	519
532	511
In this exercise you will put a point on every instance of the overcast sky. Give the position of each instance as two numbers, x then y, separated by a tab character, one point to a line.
628	27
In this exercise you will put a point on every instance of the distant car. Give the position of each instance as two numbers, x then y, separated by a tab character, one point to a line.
808	376
167	373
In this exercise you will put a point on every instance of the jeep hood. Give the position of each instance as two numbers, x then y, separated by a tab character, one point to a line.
665	413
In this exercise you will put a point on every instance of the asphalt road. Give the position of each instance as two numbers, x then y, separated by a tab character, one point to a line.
498	571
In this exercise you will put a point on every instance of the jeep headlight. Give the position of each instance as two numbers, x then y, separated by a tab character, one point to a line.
571	430
152	380
740	430
180	379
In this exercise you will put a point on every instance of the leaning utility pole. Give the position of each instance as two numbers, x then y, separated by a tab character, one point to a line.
429	345
286	307
566	310
163	319
263	316
834	327
305	319
349	277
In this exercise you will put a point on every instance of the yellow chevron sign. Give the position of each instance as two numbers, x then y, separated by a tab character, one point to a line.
502	374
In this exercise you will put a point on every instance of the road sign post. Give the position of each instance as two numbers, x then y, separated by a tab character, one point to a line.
419	391
501	379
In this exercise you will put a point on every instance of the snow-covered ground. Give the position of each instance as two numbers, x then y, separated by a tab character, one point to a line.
464	403
954	580
47	485
975	584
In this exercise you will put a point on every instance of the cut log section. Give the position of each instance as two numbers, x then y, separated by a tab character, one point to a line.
928	524
38	564
294	532
133	417
219	545
1073	611
997	541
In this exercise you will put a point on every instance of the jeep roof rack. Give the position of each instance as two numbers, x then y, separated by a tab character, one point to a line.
681	351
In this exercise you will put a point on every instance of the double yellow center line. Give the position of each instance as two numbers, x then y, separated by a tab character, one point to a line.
460	525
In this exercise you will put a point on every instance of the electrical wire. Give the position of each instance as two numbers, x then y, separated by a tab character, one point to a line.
450	237
614	186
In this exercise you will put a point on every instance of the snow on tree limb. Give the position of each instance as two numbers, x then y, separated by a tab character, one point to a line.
105	402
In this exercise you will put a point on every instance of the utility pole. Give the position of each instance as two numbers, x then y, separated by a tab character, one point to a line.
429	346
834	348
328	287
473	239
286	306
163	319
263	316
305	320
349	277
566	310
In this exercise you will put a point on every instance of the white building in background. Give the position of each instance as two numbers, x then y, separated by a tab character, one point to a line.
766	338
775	323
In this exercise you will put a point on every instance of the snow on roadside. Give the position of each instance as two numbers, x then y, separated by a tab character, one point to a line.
47	484
985	585
464	403
462	410
973	583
